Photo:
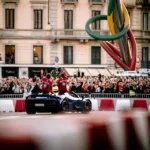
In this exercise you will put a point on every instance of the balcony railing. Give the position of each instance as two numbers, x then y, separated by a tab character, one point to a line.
69	2
96	2
19	33
145	64
141	34
74	34
129	3
10	1
38	1
143	2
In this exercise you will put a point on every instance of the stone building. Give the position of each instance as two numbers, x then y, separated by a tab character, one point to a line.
37	34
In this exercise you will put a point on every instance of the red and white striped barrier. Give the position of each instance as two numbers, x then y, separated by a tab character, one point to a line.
103	104
20	107
101	130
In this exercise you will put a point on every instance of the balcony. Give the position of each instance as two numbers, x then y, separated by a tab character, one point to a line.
67	34
10	1
96	2
38	1
24	34
143	3
74	2
130	3
140	34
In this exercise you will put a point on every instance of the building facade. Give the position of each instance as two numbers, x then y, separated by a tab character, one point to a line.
35	34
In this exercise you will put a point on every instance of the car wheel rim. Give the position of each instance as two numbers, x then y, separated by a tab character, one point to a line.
87	106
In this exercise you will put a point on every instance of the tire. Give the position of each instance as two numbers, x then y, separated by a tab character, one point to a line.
65	105
87	106
55	111
30	111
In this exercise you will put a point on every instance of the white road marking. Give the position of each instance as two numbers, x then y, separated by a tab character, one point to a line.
43	117
9	117
57	117
30	117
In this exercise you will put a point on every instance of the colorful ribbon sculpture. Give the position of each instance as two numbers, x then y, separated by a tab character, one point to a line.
118	23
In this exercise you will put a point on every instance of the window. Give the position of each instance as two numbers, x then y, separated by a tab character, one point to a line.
96	25
9	18
38	19
68	54
37	54
145	54
96	55
145	21
68	21
10	54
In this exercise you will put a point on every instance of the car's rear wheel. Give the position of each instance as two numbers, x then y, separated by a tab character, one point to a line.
65	105
30	111
87	106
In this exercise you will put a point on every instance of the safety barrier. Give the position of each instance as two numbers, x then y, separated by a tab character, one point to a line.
106	104
105	131
97	104
11	96
19	107
123	104
6	106
92	95
100	101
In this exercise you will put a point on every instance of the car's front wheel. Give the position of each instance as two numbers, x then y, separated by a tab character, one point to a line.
87	106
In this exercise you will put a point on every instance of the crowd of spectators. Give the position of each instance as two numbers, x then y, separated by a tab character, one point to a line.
99	84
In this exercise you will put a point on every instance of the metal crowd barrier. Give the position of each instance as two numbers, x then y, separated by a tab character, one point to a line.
11	96
118	95
92	95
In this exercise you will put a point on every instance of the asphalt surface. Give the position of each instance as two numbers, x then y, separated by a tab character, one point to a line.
46	130
24	116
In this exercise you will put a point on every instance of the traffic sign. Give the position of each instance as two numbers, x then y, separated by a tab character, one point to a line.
56	59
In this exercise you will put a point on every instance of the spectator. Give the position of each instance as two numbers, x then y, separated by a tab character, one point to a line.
84	84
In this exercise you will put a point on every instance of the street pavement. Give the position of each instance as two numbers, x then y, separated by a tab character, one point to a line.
39	116
43	130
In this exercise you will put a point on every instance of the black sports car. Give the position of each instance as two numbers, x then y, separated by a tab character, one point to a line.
55	104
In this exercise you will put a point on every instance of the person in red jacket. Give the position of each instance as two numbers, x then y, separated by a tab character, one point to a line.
46	83
60	72
62	84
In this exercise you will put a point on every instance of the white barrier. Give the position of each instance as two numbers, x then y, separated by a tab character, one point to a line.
123	104
94	104
100	130
6	106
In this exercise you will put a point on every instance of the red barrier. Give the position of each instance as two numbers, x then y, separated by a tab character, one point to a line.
140	104
106	104
20	106
109	132
20	143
